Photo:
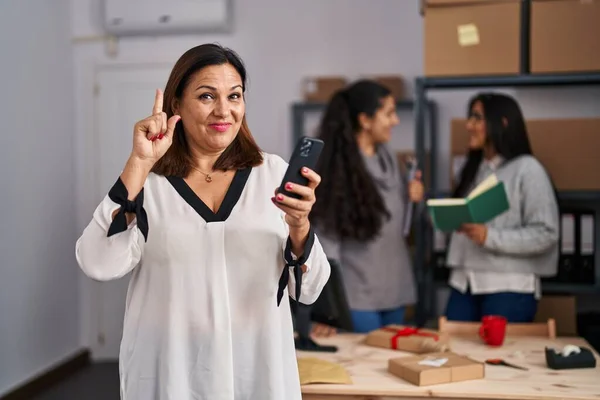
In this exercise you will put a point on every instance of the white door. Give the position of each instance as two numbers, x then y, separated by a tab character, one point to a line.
124	94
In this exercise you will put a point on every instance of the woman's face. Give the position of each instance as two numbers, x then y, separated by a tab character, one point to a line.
212	108
476	127
381	124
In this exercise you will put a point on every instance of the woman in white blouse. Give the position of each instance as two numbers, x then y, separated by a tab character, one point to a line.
193	216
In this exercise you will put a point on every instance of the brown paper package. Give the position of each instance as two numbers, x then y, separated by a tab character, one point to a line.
419	344
456	369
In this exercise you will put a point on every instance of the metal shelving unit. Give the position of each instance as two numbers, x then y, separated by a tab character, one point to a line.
425	84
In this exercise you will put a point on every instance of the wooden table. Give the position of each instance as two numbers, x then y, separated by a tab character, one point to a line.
368	368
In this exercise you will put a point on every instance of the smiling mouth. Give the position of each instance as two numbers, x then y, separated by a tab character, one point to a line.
220	127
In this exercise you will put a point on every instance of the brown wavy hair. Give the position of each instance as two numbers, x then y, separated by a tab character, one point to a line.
348	204
243	152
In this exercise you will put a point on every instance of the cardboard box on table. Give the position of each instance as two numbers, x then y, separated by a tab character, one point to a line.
403	338
436	368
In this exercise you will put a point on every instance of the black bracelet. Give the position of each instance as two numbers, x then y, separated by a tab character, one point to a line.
296	264
118	193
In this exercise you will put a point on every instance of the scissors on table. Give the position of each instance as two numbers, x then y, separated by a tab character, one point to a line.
499	361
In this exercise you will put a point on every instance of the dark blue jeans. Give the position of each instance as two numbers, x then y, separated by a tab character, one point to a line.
367	321
515	307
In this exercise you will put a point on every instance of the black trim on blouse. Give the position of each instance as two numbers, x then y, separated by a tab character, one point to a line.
234	192
297	264
118	193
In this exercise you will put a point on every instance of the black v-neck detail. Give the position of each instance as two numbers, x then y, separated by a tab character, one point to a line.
234	192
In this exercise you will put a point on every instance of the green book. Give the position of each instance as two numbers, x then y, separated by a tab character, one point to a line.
484	203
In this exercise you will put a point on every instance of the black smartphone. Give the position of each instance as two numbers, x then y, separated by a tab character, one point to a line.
306	154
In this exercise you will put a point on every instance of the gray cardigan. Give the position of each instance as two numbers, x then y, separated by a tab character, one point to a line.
524	238
378	275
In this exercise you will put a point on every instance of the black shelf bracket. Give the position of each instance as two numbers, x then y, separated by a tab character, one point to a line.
524	80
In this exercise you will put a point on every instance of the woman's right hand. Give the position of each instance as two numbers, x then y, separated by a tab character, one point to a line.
153	136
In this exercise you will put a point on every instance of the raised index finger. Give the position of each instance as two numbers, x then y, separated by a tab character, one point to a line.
158	102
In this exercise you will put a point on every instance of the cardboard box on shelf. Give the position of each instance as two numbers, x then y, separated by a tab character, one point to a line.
321	88
459	137
459	140
563	309
566	147
436	368
404	338
564	36
471	37
394	83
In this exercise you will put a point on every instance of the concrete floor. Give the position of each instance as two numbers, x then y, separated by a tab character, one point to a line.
99	381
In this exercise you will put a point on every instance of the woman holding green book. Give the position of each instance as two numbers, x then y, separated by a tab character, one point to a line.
497	266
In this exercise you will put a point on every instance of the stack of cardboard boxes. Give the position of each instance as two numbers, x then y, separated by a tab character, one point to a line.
433	361
504	37
483	37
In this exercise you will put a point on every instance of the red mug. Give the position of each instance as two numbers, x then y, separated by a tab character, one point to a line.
493	329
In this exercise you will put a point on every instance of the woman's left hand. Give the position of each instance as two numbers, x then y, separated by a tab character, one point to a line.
476	232
416	190
297	210
319	330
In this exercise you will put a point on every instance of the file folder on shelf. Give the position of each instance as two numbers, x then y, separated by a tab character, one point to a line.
586	266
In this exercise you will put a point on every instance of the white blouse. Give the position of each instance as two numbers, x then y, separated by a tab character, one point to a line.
202	319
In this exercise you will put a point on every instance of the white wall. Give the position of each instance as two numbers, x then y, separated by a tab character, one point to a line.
39	322
282	41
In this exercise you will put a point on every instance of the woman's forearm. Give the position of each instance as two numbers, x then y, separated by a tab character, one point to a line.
298	237
133	177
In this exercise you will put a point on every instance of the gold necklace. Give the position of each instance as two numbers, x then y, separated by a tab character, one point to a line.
207	178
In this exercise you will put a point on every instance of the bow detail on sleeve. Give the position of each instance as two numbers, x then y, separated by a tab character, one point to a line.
118	193
290	262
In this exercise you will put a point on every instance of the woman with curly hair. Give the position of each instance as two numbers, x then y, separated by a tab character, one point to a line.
360	207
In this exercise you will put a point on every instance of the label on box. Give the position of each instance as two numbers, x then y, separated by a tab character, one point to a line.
435	362
468	35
